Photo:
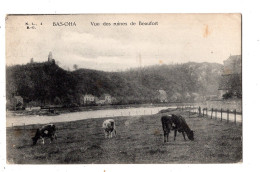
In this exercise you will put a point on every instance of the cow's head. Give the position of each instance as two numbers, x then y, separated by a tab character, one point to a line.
191	135
34	139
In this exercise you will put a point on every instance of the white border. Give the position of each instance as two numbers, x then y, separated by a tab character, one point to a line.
251	46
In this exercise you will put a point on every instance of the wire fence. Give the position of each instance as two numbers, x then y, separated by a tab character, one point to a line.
217	114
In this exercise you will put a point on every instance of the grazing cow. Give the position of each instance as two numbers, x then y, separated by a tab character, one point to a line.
109	127
176	123
43	132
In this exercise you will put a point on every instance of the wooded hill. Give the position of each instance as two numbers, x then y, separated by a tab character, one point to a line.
46	83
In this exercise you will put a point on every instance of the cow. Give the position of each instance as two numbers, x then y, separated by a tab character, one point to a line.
109	127
176	123
46	131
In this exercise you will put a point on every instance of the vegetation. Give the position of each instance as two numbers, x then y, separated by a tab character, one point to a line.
47	83
139	140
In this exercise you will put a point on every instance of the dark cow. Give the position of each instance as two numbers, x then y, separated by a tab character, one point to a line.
176	123
109	127
45	131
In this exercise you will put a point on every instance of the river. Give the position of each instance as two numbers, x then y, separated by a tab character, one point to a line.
74	116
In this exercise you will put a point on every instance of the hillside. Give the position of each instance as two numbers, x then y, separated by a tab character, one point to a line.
47	83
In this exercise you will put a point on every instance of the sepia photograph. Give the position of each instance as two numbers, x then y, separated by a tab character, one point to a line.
124	88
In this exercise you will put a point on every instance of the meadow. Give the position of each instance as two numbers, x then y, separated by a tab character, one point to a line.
139	141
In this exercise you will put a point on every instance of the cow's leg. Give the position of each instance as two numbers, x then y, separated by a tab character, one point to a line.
42	140
51	138
168	132
164	136
184	136
115	132
112	133
105	134
175	134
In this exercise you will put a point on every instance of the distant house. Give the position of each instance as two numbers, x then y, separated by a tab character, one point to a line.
196	97
162	96
101	102
233	65
88	99
231	79
176	97
108	98
212	97
15	103
105	99
187	96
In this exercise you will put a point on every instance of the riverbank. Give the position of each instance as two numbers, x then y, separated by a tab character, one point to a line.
58	111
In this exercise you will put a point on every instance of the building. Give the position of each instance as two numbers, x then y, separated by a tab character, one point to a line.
50	58
101	102
233	65
231	79
88	99
105	99
15	103
176	97
162	96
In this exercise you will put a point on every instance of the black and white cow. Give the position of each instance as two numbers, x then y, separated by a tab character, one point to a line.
46	131
109	127
176	123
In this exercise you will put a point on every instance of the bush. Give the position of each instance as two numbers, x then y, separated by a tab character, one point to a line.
227	95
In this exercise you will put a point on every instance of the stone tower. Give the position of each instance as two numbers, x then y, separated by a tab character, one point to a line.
50	57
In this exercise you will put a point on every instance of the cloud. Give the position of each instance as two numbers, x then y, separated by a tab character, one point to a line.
177	39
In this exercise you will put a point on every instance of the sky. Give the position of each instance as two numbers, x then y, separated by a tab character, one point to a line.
177	38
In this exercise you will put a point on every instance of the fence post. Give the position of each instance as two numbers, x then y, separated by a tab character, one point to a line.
199	111
227	115
235	113
207	112
212	110
221	114
24	126
216	111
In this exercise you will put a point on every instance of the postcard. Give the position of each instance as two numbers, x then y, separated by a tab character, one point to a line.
124	89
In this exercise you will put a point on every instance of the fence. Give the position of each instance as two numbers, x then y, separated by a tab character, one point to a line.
228	115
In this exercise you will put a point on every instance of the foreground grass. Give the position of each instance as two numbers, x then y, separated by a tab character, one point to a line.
139	140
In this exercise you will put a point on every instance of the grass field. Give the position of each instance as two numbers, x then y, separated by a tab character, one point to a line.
139	140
